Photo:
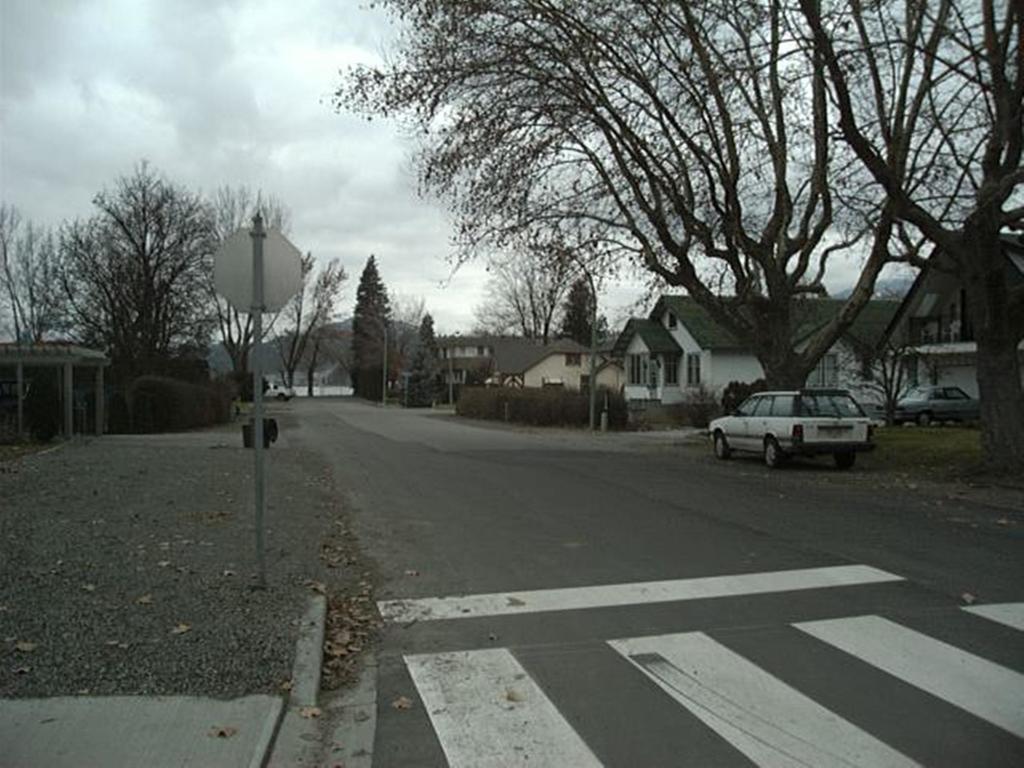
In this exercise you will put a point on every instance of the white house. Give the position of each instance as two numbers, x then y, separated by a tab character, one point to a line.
934	327
678	351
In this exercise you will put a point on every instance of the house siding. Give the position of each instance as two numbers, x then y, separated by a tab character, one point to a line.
553	368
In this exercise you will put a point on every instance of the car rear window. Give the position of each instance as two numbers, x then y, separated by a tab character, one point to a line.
829	405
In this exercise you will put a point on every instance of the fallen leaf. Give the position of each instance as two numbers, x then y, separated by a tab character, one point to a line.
181	629
227	573
515	602
511	694
968	598
402	702
146	599
317	586
25	646
163	563
412	572
22	670
309	712
89	587
286	685
223	731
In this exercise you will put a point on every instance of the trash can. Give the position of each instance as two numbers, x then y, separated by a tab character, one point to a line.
269	433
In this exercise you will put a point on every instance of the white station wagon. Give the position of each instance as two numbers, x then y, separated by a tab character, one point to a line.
807	422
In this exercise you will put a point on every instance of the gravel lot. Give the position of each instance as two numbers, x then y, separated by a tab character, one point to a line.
126	566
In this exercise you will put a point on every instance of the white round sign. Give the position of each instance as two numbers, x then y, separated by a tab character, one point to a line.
233	270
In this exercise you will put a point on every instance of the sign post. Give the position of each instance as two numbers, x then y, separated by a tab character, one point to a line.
258	271
258	235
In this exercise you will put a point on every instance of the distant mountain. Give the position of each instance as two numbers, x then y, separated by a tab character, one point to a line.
220	362
886	288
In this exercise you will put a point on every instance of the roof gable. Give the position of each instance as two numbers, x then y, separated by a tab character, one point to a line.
655	337
706	332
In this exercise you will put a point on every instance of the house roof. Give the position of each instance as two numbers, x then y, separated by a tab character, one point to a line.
810	315
557	347
50	353
658	340
705	331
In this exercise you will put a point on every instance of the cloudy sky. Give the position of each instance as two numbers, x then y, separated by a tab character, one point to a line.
215	92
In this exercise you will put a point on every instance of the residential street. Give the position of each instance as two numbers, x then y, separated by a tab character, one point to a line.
621	600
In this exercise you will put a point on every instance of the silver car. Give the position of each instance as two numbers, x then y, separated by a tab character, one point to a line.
936	403
806	422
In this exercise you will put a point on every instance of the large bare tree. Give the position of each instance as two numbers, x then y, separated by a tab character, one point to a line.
692	137
135	275
929	95
233	208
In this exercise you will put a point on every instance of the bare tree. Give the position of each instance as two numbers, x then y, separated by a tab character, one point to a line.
929	95
135	275
233	208
307	313
406	315
690	137
524	293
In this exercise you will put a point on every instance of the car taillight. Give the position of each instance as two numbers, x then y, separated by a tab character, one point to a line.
798	433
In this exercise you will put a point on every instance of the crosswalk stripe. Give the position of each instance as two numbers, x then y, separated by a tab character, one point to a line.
772	724
1010	614
487	711
638	593
981	687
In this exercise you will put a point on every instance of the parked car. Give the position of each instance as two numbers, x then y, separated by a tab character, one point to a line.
805	422
936	403
279	391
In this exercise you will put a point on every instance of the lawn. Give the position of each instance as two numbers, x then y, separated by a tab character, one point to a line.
944	452
17	450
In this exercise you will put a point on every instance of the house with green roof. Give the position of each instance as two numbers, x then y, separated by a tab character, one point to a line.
678	350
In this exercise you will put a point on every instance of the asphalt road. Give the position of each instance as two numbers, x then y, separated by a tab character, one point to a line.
559	599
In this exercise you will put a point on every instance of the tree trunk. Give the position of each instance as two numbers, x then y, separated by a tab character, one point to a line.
997	360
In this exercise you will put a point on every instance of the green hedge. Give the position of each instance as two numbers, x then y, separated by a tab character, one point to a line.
548	407
158	404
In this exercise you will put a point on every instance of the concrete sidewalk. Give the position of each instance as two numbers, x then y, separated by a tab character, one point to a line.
123	731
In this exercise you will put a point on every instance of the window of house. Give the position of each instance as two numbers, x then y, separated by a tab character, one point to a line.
672	322
671	369
480	351
693	369
826	372
572	359
639	370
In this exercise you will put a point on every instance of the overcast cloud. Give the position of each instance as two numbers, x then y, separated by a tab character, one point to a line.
221	92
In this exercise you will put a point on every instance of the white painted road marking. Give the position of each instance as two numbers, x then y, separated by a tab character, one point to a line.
981	687
487	711
771	723
609	595
1010	614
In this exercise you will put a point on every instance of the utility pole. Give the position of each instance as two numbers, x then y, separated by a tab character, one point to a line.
384	372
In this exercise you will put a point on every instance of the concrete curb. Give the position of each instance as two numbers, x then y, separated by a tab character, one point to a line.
330	730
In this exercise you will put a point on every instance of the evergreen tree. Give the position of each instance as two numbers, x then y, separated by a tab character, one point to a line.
423	380
579	309
372	313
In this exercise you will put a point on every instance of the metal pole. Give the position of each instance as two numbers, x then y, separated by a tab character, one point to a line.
384	372
21	399
451	378
593	354
258	234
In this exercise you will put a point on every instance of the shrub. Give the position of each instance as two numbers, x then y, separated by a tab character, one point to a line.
42	405
738	391
545	407
159	404
700	407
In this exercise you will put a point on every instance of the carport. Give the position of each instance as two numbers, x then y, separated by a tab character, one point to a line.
63	357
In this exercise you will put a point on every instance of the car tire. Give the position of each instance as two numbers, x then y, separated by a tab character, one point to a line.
924	419
722	449
773	456
844	460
